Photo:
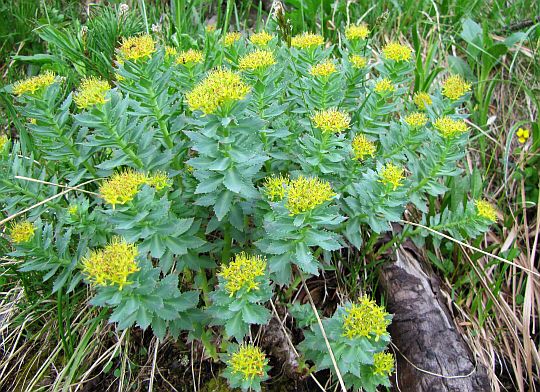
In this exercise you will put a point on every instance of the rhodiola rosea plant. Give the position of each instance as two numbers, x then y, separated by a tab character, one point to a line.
190	189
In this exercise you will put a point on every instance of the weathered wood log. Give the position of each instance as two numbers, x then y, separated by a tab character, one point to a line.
424	332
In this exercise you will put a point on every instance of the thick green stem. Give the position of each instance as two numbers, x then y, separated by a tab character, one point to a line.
123	145
227	242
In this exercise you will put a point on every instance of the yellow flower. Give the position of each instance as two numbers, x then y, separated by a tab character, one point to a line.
354	32
486	210
4	140
189	57
112	264
397	52
304	194
220	87
365	318
32	121
391	175
261	39
363	147
384	86
416	119
231	38
383	363
331	120
449	128
275	187
158	180
136	48
122	187
210	28
242	273
170	51
307	40
323	69
422	99
358	61
249	361
22	231
72	209
258	59
523	135
92	91
33	84
455	87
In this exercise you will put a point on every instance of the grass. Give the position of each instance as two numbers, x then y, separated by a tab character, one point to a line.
47	342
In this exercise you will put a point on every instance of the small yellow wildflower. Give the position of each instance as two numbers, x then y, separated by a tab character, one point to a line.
384	86
416	119
32	85
455	87
331	120
72	209
4	140
189	57
210	28
221	86
249	361
486	210
158	180
364	319
307	40
22	231
275	187
383	363
112	264
242	273
261	39
449	128
363	147
136	48
358	61
170	51
422	99
32	121
397	52
231	38
354	32
304	194
259	59
92	91
523	135
323	69
122	187
391	175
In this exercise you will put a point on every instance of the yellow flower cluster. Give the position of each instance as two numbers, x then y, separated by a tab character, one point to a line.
33	84
486	210
323	69
259	59
249	361
391	175
422	99
122	187
354	32
416	119
170	51
219	87
397	52
384	86
231	38
112	264
307	40
136	48
189	57
365	318
363	147
22	231
331	120
304	194
275	187
383	363
523	135
210	28
358	61
3	141
242	273
261	39
92	91
449	128
455	87
159	180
